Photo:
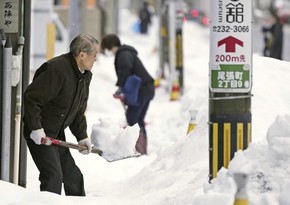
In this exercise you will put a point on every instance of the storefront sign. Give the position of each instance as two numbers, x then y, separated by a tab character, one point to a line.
9	15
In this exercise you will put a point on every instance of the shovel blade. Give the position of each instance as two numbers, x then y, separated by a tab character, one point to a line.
112	157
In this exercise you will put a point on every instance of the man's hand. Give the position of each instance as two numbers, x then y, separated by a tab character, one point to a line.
86	142
37	136
119	94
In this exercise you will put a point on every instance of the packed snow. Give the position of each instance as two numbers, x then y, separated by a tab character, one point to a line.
176	169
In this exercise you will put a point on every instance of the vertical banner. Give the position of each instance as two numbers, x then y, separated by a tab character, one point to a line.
231	46
9	15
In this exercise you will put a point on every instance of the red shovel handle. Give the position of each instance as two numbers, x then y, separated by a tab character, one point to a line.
69	145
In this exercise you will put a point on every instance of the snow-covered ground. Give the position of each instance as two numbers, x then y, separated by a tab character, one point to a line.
176	169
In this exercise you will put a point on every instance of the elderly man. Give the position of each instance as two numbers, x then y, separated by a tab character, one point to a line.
57	99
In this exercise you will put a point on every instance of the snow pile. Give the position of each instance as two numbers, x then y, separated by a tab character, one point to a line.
16	195
278	138
115	140
267	166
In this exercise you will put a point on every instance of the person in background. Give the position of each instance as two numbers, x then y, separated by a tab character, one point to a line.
276	30
276	49
266	30
57	99
128	63
145	18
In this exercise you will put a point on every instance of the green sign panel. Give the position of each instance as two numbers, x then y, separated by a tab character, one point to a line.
230	78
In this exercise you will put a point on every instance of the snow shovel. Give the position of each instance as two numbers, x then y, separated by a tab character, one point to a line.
110	157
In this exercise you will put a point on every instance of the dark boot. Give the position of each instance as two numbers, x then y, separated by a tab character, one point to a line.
141	143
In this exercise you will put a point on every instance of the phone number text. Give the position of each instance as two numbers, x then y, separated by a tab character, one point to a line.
224	29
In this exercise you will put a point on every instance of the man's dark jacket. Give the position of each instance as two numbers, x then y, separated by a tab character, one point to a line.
127	63
57	98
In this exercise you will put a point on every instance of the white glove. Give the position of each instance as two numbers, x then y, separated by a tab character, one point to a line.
86	142
37	135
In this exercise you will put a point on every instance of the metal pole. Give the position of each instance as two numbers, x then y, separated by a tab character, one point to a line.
179	43
161	8
103	10
116	16
173	75
74	19
258	5
112	20
1	90
172	40
160	13
25	82
18	64
6	118
3	40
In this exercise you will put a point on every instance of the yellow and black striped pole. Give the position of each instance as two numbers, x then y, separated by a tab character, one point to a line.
179	51
163	42
228	134
230	81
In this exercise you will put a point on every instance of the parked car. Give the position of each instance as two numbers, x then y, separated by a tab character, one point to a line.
197	15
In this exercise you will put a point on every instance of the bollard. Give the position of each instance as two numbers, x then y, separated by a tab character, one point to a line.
175	91
241	196
192	121
175	87
157	80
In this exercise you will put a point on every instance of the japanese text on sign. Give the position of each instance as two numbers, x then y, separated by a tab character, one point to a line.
235	13
231	46
9	15
231	77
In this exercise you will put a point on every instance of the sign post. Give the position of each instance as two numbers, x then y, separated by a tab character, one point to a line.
230	81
